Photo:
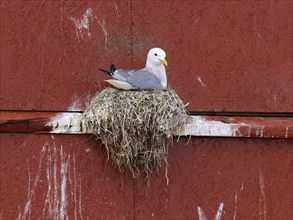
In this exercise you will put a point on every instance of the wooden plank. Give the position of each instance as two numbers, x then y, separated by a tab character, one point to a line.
249	174
208	126
222	55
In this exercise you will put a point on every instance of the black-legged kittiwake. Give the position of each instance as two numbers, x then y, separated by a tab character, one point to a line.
153	76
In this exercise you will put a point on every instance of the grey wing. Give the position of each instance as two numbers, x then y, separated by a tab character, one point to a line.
122	75
141	79
144	79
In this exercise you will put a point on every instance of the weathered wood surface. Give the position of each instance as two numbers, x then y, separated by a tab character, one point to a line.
73	172
223	56
232	56
209	126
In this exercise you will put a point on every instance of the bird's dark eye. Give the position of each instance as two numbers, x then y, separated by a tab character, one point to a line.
156	54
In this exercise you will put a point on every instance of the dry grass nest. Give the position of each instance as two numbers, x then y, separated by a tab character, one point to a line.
136	126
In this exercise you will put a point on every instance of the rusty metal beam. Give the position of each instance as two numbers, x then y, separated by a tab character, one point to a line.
208	126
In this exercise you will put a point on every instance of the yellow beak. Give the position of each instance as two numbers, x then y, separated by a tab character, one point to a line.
163	61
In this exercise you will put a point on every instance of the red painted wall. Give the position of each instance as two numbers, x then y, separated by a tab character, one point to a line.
222	55
252	178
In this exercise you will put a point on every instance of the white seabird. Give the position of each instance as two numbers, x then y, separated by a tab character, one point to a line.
153	76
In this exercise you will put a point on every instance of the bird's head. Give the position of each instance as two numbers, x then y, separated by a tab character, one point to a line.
156	56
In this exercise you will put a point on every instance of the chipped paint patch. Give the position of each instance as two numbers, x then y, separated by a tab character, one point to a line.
116	9
220	211
203	127
63	174
66	123
236	200
76	104
83	24
79	102
61	189
260	131
32	189
79	201
286	132
201	215
201	82
69	122
242	187
262	198
103	26
235	208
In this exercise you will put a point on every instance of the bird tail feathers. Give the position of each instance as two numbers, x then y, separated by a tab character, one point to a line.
111	72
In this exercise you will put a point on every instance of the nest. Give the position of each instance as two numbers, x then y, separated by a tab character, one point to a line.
136	127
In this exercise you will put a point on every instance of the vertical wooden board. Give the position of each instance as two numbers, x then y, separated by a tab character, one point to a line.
221	179
52	177
222	55
51	51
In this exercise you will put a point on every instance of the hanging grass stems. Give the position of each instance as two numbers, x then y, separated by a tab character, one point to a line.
136	126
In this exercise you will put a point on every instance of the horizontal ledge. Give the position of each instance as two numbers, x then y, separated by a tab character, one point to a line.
197	113
207	126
